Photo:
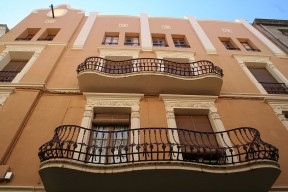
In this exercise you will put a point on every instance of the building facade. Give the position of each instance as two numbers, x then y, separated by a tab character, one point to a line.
275	30
138	103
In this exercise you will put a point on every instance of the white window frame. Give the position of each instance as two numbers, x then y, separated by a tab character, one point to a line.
5	58
279	106
4	94
262	61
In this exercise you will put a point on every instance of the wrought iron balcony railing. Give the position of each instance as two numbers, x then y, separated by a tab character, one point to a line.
275	88
7	76
157	144
197	68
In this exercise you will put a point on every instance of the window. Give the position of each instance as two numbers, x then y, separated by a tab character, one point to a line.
196	123
132	39
109	138
9	72
179	41
284	31
228	43
111	39
268	82
159	41
28	34
49	34
248	45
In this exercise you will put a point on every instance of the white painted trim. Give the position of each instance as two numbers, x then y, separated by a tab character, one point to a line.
176	54
262	38
4	94
243	61
146	39
83	35
5	57
210	49
279	106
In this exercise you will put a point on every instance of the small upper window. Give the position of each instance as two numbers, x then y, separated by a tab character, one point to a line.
49	34
28	34
111	39
159	41
248	45
132	40
228	43
179	41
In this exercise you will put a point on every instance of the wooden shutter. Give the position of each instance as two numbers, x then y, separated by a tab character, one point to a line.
199	123
262	75
14	66
111	119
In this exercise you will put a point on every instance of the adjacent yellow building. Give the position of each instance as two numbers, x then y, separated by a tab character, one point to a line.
140	103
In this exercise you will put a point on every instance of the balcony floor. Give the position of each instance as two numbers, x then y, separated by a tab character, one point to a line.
69	175
150	83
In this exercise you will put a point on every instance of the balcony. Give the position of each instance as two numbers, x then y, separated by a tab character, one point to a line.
7	76
275	88
149	76
162	159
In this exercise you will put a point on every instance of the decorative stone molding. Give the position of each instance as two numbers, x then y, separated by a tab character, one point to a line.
134	53
279	106
176	54
166	27
4	94
112	100
194	102
252	58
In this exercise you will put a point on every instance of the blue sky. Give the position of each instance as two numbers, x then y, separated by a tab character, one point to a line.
13	11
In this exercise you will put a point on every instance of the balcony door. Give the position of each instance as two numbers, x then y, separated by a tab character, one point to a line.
109	139
198	142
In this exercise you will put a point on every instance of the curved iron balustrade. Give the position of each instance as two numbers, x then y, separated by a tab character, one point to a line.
193	69
157	144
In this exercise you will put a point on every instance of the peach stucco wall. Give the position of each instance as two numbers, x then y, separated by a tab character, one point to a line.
257	114
50	112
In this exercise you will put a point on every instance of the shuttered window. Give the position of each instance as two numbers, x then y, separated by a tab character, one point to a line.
262	75
111	119
108	138
9	72
15	66
197	140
